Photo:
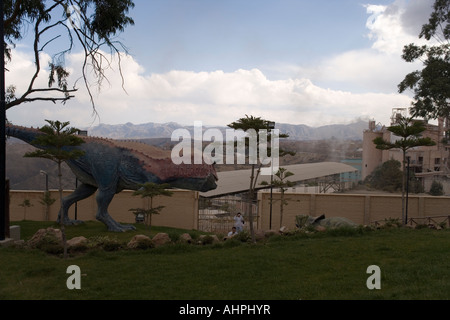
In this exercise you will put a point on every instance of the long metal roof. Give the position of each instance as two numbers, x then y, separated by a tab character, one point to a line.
238	181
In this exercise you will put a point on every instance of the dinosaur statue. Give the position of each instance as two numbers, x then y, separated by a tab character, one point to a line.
303	221
111	166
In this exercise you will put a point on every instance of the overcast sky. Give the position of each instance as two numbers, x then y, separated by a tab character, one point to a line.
290	61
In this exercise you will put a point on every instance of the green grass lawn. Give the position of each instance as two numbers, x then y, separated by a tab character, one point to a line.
415	264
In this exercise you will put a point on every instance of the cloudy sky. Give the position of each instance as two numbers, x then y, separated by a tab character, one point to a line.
290	61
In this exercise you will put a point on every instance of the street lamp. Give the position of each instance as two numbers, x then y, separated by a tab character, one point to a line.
270	126
46	179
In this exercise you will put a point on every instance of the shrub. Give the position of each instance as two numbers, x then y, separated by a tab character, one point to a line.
105	242
437	189
50	244
392	222
386	177
207	239
243	236
145	244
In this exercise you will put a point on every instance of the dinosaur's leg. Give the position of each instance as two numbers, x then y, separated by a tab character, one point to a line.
82	192
104	198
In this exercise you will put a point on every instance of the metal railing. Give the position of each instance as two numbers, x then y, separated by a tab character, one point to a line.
216	214
441	221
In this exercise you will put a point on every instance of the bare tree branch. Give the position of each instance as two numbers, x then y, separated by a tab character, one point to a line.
92	32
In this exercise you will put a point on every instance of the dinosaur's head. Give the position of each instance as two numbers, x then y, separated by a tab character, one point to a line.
303	221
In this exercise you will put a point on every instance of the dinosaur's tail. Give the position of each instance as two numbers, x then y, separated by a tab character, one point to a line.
22	133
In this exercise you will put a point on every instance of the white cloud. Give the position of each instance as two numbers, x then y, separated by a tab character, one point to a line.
395	25
353	84
215	98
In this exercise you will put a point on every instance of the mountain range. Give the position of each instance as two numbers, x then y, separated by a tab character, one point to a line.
352	131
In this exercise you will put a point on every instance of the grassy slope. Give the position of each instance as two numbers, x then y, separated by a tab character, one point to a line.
415	264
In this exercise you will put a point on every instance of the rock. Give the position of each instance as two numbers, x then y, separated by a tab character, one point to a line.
260	235
320	228
161	239
215	238
140	241
283	229
186	238
208	239
77	242
45	235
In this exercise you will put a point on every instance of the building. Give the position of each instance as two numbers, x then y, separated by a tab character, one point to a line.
428	163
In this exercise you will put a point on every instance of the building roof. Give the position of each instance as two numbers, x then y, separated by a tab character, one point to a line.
238	181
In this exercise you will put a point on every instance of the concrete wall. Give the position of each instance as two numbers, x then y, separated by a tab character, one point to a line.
360	208
181	209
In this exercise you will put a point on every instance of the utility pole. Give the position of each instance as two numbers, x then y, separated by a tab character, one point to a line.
271	126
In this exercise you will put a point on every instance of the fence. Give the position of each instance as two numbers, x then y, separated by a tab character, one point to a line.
216	214
431	221
187	211
362	209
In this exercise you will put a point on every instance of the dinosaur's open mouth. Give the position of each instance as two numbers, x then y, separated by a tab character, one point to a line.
215	176
210	183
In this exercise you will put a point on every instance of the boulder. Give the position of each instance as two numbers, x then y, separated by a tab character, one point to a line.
186	238
260	235
283	229
161	239
320	228
208	239
77	242
45	235
139	241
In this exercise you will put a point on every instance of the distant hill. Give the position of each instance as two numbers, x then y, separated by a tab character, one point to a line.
352	131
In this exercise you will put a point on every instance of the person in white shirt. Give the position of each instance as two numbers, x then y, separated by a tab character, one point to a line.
232	232
239	222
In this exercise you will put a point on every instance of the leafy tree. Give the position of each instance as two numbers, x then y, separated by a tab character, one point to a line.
26	203
150	190
67	24
63	26
47	201
254	125
410	133
57	142
431	85
283	185
437	189
386	177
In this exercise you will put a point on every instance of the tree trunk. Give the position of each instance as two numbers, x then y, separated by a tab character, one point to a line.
249	204
403	187
150	215
281	207
61	220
